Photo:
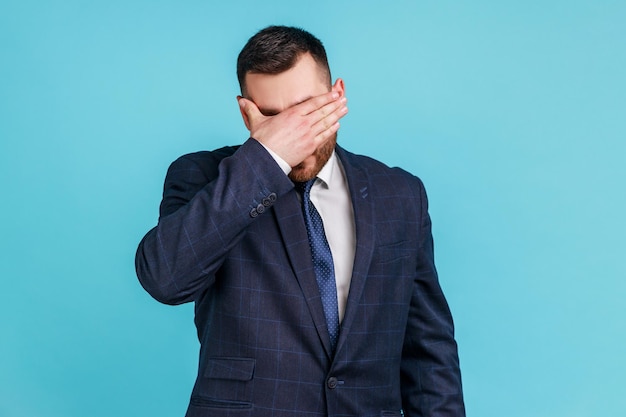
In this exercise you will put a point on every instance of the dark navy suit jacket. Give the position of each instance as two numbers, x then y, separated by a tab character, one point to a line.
231	238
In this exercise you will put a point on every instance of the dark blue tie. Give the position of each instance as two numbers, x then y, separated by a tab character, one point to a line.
322	260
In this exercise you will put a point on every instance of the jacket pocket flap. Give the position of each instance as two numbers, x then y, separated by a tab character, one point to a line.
237	369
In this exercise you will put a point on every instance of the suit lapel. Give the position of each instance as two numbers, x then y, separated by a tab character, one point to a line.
288	212
290	221
358	183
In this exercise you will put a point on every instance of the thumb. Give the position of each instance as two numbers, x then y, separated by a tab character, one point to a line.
250	112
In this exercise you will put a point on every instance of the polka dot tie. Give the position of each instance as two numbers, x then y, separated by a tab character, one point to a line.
322	260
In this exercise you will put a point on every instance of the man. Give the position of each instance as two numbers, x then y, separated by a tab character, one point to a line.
311	268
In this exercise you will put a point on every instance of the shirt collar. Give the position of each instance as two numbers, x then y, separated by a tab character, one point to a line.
329	171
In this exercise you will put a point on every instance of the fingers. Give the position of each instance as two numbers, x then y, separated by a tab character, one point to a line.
326	134
317	102
327	117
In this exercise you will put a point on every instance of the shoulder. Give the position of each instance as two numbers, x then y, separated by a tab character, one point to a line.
378	173
203	163
205	159
188	174
398	196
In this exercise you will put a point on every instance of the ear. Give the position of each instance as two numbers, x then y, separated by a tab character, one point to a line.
242	110
339	87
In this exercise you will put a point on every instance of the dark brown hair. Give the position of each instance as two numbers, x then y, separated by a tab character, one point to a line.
276	49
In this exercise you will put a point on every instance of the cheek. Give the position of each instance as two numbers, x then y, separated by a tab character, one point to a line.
323	152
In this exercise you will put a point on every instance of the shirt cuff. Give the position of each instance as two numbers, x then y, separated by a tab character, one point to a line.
280	161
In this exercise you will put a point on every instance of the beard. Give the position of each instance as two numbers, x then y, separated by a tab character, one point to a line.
303	172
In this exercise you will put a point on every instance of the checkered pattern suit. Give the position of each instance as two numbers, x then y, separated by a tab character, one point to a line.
231	238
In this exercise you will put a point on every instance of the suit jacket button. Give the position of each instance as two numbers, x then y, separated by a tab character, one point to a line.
332	382
260	208
267	202
272	197
254	213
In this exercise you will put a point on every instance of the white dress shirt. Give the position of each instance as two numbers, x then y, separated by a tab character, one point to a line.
331	197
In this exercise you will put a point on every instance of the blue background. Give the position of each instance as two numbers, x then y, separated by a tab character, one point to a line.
513	113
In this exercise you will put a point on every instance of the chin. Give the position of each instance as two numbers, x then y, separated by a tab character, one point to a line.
306	170
303	173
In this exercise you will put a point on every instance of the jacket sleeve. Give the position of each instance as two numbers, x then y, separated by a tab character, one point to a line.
430	374
204	213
